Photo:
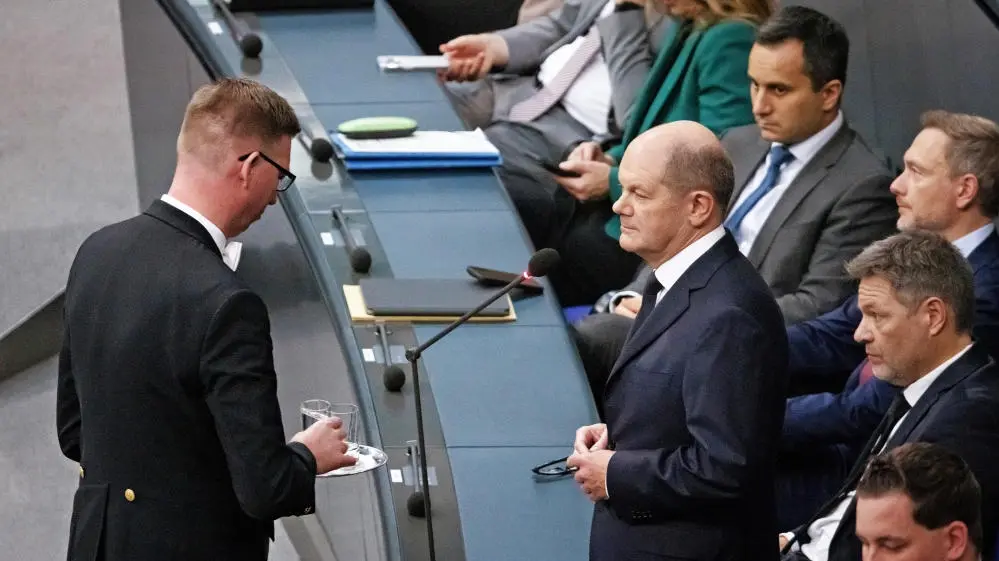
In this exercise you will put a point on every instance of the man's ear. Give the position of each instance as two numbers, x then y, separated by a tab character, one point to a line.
702	207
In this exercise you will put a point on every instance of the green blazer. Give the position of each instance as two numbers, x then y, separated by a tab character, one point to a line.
703	78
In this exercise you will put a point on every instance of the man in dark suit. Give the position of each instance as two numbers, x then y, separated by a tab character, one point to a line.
684	466
809	192
917	302
167	391
919	502
949	188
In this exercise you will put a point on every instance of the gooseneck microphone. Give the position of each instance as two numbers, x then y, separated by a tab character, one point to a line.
360	258
541	263
248	41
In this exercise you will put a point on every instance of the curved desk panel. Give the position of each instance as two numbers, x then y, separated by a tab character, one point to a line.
499	398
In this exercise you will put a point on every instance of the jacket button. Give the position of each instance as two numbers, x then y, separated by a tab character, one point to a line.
81	471
129	495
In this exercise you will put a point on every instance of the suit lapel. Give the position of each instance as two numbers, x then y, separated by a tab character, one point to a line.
986	253
182	221
808	179
746	162
669	68
974	360
675	302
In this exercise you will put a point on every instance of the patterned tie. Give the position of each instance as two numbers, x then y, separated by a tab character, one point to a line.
546	98
231	254
779	155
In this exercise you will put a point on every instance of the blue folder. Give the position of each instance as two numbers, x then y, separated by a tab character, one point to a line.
368	160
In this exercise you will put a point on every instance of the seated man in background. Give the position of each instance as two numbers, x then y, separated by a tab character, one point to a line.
917	301
809	193
949	188
565	77
701	77
919	502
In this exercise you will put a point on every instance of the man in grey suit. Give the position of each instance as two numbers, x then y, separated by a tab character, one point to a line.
810	195
542	86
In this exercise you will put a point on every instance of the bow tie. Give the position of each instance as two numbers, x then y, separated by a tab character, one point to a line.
231	253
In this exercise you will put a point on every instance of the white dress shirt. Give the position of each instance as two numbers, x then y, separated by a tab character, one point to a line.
803	153
669	272
970	242
230	251
588	98
822	530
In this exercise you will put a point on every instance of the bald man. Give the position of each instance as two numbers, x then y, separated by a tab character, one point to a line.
683	468
167	394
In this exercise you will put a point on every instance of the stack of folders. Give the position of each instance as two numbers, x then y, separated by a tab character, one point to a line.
423	301
421	150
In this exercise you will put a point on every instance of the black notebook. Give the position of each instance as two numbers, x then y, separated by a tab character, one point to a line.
429	297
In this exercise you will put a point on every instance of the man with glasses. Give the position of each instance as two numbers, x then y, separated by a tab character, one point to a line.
167	391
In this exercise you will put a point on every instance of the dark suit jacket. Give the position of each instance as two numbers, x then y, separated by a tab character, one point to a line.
167	399
694	407
959	411
833	209
825	345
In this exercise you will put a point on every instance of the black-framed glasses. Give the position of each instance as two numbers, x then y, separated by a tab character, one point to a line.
285	177
554	469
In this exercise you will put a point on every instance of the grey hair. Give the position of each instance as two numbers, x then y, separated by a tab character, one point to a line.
921	265
703	167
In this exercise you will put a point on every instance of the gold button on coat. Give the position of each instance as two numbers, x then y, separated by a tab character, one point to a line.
81	471
129	495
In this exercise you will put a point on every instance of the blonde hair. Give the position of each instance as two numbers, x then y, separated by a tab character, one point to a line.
753	11
229	109
974	149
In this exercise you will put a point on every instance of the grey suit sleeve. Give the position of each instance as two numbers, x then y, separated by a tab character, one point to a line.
528	42
866	213
625	45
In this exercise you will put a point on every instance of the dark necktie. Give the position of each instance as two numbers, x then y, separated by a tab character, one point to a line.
899	407
649	293
779	155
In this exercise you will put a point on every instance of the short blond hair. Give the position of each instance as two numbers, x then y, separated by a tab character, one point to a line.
233	108
974	149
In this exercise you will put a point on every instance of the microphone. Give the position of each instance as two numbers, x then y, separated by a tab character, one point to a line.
318	146
248	41
392	377
541	263
360	258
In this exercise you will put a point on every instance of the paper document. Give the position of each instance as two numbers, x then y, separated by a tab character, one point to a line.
421	144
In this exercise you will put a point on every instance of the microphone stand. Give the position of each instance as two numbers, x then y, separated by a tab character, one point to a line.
413	355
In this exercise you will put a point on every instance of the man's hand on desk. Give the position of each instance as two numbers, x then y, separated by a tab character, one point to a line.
593	181
628	307
591	472
589	152
325	439
472	56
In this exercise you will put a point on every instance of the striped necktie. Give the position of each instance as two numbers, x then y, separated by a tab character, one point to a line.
546	98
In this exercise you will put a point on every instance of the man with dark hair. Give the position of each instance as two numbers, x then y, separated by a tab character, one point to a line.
167	395
917	301
949	187
683	468
919	502
809	193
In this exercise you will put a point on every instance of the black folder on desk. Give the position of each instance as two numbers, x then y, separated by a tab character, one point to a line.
429	297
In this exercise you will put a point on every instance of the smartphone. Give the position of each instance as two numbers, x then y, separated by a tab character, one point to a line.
492	277
412	63
553	168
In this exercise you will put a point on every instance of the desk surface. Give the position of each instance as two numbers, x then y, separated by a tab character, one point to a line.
500	398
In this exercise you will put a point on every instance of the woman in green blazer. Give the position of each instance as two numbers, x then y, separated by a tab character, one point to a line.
701	76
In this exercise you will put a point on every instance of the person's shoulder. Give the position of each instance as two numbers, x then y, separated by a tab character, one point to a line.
862	156
730	29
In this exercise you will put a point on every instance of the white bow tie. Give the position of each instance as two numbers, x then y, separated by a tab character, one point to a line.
231	253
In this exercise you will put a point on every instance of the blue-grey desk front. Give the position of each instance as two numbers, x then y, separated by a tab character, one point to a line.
502	398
